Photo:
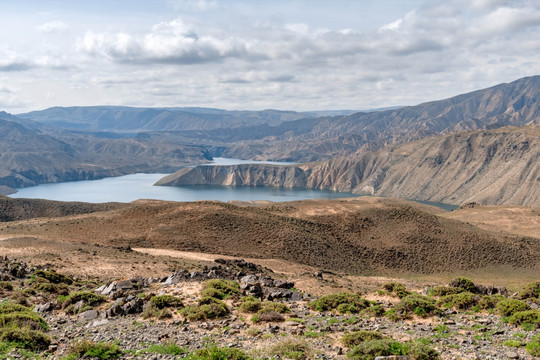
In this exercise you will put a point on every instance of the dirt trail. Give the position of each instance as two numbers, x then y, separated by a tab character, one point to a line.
276	265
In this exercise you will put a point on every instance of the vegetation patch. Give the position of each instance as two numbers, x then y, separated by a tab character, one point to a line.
292	348
221	288
166	349
370	349
214	352
396	289
357	337
211	310
166	301
6	286
511	306
23	337
531	291
90	349
353	303
88	299
464	284
462	301
526	317
54	277
250	304
416	304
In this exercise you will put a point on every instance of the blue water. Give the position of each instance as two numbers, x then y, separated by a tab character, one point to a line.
140	186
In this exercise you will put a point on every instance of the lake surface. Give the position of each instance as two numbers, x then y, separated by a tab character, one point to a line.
140	186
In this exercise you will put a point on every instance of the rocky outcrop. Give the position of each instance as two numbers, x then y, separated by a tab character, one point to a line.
489	167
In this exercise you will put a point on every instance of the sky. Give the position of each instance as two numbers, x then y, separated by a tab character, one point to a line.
260	54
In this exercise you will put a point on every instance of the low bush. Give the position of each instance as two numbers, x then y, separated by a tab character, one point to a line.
26	338
54	277
332	301
532	290
533	348
169	348
291	348
210	310
23	319
153	312
250	304
166	301
278	307
89	299
90	349
227	287
60	289
513	343
397	289
214	352
9	307
415	304
526	317
355	338
368	350
463	283
462	301
511	306
374	311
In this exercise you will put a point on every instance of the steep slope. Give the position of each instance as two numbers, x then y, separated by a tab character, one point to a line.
366	236
491	167
29	156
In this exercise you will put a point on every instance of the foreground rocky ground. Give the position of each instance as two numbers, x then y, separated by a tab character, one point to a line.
238	310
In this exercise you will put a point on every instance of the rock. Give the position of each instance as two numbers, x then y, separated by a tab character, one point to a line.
134	306
89	315
512	355
282	284
44	307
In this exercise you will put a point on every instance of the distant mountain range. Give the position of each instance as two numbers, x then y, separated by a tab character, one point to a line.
489	167
75	143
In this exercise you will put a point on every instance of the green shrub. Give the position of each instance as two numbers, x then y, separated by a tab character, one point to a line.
88	298
368	350
54	277
250	304
9	307
533	348
25	338
511	306
211	310
26	319
332	301
278	307
512	343
6	286
463	283
532	290
415	304
445	290
166	301
420	351
227	287
490	301
61	289
396	288
90	349
291	348
375	311
526	317
355	338
215	293
214	352
462	301
169	348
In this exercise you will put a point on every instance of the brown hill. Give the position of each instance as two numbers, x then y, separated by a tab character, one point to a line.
23	209
499	166
365	235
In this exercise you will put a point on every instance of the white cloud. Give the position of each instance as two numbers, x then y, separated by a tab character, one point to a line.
53	27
